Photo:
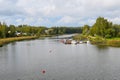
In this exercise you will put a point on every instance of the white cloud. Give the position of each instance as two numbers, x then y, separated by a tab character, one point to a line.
30	21
115	20
66	20
90	21
46	12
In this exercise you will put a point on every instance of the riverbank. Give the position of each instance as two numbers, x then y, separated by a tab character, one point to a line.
114	42
8	40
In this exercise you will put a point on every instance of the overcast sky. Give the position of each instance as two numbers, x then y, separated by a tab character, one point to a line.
58	12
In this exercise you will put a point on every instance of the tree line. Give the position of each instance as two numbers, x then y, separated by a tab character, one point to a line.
27	30
64	30
21	30
102	27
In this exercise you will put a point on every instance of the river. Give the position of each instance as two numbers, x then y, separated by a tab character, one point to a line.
49	59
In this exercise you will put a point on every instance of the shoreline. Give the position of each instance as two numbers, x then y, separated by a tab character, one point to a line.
13	39
111	42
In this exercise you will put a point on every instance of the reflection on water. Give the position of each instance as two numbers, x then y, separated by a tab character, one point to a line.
27	60
101	47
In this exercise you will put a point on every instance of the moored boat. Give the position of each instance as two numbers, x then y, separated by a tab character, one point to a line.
73	42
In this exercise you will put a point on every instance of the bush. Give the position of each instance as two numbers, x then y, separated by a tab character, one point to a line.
80	37
108	36
98	40
118	35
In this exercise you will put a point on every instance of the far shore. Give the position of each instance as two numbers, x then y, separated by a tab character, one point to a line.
4	41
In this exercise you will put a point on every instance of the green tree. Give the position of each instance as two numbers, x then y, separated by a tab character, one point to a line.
3	30
11	31
86	30
116	28
100	27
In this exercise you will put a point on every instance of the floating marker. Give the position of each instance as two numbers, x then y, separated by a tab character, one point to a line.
43	71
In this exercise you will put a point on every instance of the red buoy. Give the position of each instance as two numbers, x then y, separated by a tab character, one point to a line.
43	71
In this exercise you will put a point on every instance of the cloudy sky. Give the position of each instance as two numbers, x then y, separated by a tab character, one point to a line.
58	12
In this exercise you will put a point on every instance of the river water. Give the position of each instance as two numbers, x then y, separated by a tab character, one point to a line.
49	59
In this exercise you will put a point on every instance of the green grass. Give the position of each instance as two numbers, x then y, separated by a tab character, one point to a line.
8	40
115	42
117	38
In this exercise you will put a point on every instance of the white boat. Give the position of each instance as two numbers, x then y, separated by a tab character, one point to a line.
81	42
88	42
73	42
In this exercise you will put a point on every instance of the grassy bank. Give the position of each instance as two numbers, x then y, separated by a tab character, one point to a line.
8	40
114	42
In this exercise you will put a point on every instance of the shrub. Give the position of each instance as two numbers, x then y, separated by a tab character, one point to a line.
108	36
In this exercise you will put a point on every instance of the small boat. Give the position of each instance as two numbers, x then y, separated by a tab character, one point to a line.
81	42
68	41
73	42
88	42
